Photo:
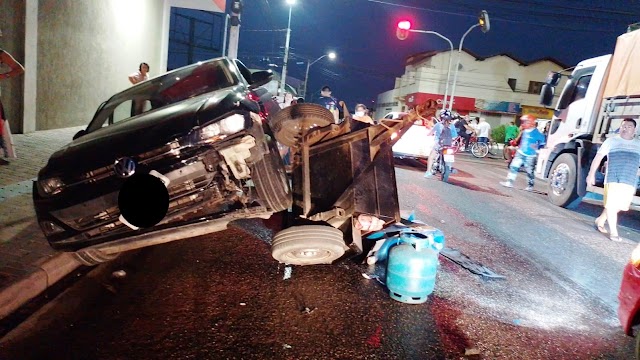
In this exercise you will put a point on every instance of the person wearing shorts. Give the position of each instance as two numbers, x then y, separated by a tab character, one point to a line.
621	176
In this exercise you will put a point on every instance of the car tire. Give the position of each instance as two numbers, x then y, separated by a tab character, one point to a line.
270	179
288	123
562	180
308	245
93	257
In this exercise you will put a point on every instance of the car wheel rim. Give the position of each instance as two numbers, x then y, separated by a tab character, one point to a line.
308	254
559	179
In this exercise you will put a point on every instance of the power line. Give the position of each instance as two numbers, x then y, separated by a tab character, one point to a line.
494	18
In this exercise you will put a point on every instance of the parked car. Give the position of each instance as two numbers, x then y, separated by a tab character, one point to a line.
629	306
176	156
415	143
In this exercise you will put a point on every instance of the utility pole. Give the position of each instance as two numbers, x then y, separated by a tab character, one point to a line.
283	81
234	32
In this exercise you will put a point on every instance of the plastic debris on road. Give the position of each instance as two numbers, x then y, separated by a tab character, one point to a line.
471	352
243	304
287	346
287	272
119	274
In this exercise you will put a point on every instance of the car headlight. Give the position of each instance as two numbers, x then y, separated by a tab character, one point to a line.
51	186
227	126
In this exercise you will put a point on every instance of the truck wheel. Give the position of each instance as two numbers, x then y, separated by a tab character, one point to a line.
562	180
308	245
270	179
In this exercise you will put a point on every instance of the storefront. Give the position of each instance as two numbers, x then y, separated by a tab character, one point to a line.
461	105
497	112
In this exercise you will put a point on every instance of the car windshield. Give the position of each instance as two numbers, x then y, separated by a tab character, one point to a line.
171	88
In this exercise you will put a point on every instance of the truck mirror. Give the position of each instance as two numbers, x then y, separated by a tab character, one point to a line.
546	94
553	78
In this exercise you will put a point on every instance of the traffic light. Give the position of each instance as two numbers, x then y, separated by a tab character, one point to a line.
236	10
483	20
402	32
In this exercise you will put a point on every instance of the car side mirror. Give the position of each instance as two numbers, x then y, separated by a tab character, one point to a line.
546	94
261	77
79	134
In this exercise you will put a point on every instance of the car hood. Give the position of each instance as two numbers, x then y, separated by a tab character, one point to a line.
137	135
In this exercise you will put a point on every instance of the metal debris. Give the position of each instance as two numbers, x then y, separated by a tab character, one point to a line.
475	267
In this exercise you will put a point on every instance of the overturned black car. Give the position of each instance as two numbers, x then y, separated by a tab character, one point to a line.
177	156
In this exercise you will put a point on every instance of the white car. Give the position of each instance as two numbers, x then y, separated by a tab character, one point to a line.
415	143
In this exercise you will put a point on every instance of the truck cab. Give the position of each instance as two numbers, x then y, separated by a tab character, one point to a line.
598	94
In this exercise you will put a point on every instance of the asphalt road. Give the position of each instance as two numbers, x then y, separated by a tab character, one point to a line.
223	296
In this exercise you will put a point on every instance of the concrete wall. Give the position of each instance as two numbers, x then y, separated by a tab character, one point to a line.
86	50
12	19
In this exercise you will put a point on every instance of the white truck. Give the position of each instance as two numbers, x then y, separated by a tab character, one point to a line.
598	94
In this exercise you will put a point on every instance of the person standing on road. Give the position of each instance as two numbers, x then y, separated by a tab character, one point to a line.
330	103
621	175
483	131
15	69
511	132
141	75
531	139
288	100
444	133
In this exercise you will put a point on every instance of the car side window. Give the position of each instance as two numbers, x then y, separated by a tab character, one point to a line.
124	110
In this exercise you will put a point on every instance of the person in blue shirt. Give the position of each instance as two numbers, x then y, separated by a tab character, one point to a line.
530	141
330	103
444	133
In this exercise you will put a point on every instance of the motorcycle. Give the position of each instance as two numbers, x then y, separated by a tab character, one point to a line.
444	162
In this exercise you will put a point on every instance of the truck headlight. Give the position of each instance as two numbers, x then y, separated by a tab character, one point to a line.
227	126
51	186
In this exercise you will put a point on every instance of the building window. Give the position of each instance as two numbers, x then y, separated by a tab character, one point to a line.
512	83
535	87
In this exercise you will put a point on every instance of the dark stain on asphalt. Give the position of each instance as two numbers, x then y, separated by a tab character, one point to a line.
466	185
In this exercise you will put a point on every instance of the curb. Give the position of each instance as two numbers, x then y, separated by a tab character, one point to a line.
48	272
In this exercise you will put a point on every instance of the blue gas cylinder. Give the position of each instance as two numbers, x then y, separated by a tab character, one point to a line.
412	268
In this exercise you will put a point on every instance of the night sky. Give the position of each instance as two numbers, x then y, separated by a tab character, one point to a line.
362	33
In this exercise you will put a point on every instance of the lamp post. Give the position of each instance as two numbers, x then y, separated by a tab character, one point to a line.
446	88
483	23
283	81
331	56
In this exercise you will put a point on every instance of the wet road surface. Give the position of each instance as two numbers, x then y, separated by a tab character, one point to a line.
223	296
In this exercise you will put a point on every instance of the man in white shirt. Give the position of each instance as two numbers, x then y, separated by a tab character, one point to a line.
483	131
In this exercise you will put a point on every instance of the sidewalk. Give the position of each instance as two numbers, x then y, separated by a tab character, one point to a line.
28	265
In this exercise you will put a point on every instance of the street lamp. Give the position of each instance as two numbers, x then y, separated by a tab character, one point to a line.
404	27
483	22
286	49
331	56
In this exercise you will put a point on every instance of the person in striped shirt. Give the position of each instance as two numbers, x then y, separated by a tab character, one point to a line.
621	176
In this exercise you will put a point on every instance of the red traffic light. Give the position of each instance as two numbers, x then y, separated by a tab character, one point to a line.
402	32
404	25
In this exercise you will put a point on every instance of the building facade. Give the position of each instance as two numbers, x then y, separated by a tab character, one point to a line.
78	53
498	88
